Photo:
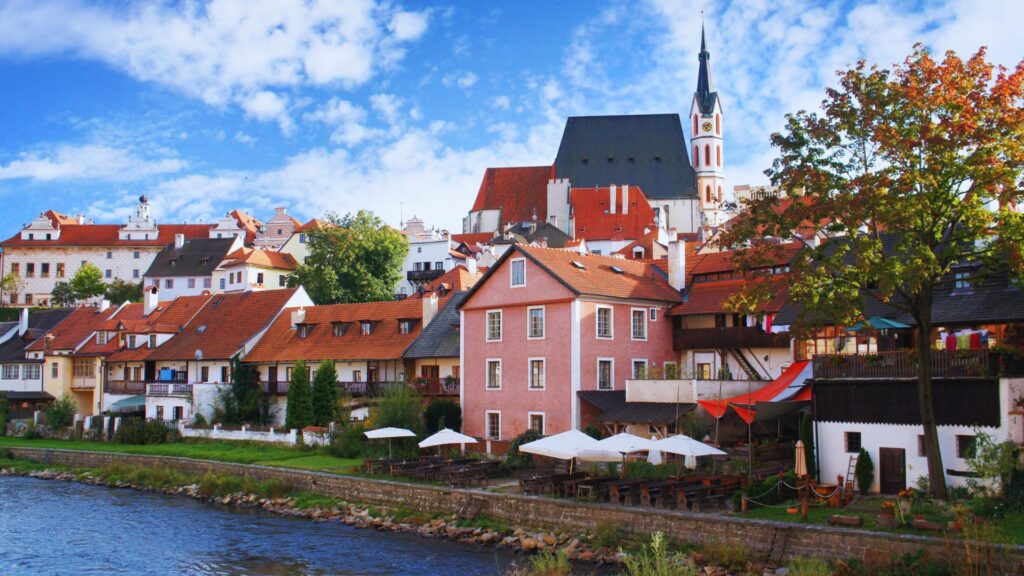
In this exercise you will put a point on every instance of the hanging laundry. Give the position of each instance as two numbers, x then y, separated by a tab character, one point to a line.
950	343
963	341
975	340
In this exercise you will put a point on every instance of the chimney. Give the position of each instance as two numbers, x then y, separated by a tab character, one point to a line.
151	299
23	322
179	241
625	199
429	308
471	266
612	200
298	317
104	305
677	264
80	218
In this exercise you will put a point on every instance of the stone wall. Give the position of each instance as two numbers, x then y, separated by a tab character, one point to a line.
774	539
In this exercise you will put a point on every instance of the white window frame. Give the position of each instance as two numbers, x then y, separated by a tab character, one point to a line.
487	325
543	322
611	322
664	369
487	424
611	375
487	374
32	372
654	314
632	367
632	329
543	421
12	376
512	272
543	375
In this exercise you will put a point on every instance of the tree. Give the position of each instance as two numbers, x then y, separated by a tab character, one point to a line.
325	394
918	170
11	284
88	282
63	295
5	413
121	291
357	258
241	401
400	407
864	471
443	413
299	412
61	412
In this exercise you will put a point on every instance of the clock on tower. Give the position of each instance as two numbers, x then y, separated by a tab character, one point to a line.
706	126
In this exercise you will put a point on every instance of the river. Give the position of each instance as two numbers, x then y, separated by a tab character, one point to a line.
51	527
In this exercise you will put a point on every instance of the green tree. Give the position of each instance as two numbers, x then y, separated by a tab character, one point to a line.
400	407
61	412
5	413
325	394
864	471
918	170
121	291
88	282
357	258
443	413
241	401
10	284
63	295
299	413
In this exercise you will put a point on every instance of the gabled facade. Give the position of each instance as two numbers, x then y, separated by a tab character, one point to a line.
21	376
187	267
296	246
544	325
253	269
273	234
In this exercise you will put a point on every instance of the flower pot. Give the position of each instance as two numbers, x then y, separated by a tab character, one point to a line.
793	510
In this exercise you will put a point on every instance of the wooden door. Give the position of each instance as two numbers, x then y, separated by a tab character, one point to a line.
892	470
430	372
272	379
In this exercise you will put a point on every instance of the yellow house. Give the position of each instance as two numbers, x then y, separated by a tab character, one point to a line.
296	245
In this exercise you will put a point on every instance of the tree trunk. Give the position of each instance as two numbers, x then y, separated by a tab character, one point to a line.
926	399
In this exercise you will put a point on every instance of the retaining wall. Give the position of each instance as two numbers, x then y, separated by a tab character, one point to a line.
775	539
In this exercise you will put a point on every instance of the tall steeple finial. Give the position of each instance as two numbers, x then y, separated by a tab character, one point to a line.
704	87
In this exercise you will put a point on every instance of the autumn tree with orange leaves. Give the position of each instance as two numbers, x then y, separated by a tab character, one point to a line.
926	159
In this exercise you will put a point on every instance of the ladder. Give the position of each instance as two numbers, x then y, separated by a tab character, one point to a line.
752	372
850	469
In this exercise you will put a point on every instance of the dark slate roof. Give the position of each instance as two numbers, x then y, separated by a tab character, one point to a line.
643	150
554	237
604	400
440	338
615	409
16	396
196	258
705	94
39	322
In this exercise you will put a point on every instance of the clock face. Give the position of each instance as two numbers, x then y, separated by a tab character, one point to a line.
706	126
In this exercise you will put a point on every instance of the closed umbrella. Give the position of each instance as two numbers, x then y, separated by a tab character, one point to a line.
801	460
690	462
389	433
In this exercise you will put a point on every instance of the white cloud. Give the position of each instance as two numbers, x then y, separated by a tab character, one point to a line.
463	80
347	119
87	162
408	25
388	106
502	102
244	138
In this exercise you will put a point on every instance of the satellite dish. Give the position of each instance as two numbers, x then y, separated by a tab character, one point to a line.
199	354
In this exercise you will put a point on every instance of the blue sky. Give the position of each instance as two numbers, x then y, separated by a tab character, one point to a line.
397	107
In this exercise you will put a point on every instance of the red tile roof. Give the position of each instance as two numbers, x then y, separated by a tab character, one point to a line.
709	297
263	258
458	279
222	326
717	262
647	242
311	225
73	330
638	280
168	318
282	344
519	192
107	235
60	219
593	220
475	237
247	222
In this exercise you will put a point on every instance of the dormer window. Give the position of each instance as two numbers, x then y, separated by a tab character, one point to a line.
962	281
366	328
404	326
152	340
339	328
101	338
303	330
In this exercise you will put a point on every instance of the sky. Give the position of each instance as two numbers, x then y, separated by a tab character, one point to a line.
398	107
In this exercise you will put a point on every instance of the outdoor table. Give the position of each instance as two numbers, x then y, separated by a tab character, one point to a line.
622	488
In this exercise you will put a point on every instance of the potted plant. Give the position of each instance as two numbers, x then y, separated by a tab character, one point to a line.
887	517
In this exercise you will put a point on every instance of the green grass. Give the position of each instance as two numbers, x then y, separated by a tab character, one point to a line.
304	500
321	462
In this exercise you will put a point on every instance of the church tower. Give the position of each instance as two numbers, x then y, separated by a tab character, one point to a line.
706	138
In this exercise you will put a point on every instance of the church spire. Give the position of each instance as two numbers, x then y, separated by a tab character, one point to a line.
705	91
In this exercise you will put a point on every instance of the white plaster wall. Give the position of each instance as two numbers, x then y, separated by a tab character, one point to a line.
180	286
488	221
168	403
240	435
204	398
686	391
432	251
21	384
122	265
778	359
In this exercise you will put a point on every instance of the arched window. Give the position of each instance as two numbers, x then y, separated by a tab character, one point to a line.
720	197
718	155
696	156
694	124
707	155
707	194
718	125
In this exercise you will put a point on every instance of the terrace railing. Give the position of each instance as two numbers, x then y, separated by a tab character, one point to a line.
728	338
168	389
437	386
903	364
357	389
126	387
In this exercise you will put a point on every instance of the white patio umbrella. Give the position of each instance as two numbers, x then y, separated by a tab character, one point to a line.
654	456
686	446
569	445
446	437
622	443
389	433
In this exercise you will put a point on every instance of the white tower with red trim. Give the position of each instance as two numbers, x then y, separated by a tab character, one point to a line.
707	142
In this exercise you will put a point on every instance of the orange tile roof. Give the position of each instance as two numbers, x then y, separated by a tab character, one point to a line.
638	280
60	219
473	238
458	279
282	344
311	225
593	220
646	242
223	325
263	258
72	331
717	262
709	297
107	235
519	192
249	223
168	318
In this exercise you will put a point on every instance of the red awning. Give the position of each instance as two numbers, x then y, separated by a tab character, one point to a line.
789	387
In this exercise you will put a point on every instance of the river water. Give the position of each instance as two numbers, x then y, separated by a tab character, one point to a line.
52	527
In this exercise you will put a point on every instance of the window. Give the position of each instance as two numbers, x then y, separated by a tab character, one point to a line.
204	374
303	330
604	322
338	328
365	328
159	412
32	372
169	283
438	265
207	282
101	338
44	270
605	369
536	420
639	324
853	442
494	325
922	448
966	446
30	270
493	425
110	255
696	157
357	375
518	270
282	281
404	326
83	368
222	283
191	282
962	280
135	255
15	268
179	412
536	374
302	238
28	298
224	374
152	340
695	129
671	371
494	374
718	124
108	273
718	155
535	323
288	373
654	314
11	372
259	278
707	155
54	370
60	269
704	371
135	273
639	369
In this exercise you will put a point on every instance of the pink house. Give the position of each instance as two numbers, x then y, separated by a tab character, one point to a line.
544	325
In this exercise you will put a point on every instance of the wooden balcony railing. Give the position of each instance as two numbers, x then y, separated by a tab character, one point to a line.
728	338
424	275
83	384
357	389
437	386
126	387
168	389
903	364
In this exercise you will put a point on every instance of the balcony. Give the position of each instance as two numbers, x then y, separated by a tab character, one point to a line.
415	276
727	338
168	389
436	386
356	389
126	387
80	383
903	364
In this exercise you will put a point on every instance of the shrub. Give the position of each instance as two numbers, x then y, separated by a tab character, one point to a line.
30	432
138	431
5	454
61	412
443	413
593	432
550	564
348	441
325	394
299	412
199	420
607	534
654	559
400	407
733	556
804	566
516	459
864	471
5	411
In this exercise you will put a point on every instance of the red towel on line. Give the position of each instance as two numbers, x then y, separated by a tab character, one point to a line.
950	342
975	340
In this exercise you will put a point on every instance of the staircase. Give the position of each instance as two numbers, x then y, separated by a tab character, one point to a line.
752	372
